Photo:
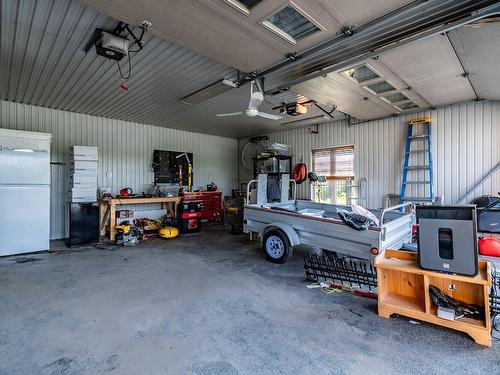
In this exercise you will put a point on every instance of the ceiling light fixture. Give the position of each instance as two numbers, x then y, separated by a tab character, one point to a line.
209	92
307	121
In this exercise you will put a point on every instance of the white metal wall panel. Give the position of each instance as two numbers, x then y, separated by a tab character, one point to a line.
125	150
466	145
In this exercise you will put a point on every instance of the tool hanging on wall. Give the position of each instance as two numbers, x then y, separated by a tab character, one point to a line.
180	177
165	166
299	173
190	171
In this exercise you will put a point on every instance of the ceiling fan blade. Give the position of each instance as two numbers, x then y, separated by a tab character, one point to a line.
229	114
269	116
256	100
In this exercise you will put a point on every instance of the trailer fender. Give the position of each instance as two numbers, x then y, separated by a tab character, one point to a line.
291	234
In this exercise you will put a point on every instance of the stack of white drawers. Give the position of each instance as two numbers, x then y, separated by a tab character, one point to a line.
83	174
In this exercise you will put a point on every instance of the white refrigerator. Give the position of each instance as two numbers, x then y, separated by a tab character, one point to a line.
24	191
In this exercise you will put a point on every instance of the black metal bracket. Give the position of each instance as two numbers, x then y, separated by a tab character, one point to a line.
285	104
329	113
96	35
137	40
292	56
280	91
347	31
259	82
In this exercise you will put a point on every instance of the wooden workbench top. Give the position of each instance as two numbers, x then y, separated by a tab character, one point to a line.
140	200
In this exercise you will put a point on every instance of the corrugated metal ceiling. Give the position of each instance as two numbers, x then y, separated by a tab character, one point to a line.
42	63
238	38
479	48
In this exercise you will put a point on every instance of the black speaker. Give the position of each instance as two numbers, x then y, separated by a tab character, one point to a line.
447	239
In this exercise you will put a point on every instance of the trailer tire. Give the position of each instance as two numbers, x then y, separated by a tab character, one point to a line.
276	246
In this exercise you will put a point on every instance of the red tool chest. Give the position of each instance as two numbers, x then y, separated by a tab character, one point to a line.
212	203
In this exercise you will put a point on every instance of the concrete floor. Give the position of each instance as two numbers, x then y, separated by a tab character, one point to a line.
208	303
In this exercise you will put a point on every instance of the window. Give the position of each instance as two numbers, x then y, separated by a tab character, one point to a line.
361	74
250	3
395	98
380	87
336	164
243	6
407	106
290	24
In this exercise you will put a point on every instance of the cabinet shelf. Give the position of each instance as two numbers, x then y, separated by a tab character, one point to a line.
404	302
403	288
466	322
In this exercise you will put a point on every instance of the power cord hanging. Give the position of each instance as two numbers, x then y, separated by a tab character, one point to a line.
129	68
145	25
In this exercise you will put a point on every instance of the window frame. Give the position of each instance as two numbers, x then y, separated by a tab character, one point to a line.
332	148
378	77
277	31
238	5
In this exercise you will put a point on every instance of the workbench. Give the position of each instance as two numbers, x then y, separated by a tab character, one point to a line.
107	210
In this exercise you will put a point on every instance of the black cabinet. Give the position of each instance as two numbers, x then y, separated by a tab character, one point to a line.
83	224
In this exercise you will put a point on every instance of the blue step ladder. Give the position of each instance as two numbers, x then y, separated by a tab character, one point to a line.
418	163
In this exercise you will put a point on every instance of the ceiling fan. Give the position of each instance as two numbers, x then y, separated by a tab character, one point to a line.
256	99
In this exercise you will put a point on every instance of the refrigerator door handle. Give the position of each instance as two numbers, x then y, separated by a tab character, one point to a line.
18	149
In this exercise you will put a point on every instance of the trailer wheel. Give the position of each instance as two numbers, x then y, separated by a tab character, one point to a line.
276	246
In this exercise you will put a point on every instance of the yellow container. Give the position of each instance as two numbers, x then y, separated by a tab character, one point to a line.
168	232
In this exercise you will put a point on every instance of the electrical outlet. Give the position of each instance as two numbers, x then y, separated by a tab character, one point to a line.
109	174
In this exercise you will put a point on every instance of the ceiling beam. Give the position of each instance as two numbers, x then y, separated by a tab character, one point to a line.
407	24
466	73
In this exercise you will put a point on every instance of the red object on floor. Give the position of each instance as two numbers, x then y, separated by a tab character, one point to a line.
489	246
190	216
212	203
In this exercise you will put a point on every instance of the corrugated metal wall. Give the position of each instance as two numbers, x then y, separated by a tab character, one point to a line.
125	150
466	145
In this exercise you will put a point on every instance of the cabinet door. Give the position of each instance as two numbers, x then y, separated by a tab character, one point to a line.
25	219
24	166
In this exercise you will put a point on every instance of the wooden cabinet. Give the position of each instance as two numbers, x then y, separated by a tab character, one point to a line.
403	288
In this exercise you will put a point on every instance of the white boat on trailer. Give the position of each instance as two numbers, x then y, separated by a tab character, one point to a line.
291	222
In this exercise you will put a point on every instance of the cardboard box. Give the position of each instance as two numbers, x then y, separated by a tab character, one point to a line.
124	214
83	167
82	195
88	153
82	181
